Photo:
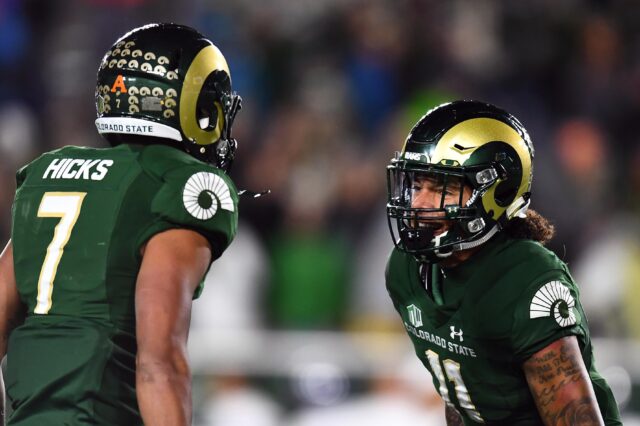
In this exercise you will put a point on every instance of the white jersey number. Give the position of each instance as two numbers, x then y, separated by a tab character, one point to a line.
452	370
66	206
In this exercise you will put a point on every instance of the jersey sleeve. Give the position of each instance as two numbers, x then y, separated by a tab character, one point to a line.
548	309
200	198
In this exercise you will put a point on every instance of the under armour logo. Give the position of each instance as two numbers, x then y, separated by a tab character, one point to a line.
455	333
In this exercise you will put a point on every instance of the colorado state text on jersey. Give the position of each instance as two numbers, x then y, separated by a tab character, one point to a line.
442	342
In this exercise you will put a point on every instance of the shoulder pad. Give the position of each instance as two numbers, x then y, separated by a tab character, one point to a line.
516	271
397	262
548	309
21	175
23	172
399	273
521	264
533	254
158	159
202	198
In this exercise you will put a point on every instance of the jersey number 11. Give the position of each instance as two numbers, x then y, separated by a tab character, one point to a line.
452	369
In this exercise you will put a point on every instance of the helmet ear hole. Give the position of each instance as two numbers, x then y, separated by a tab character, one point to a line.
506	192
207	117
208	103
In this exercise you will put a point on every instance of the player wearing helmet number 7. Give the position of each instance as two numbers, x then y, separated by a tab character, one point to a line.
109	246
493	315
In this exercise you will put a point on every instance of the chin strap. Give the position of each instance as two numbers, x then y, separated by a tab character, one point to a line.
462	246
476	243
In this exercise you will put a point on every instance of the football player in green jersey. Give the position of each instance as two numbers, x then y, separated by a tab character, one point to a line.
109	246
493	315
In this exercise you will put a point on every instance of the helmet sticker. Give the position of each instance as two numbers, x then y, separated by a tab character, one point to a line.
151	103
136	126
417	156
202	194
554	299
118	85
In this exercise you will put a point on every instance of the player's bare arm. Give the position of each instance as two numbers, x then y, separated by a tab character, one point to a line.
560	385
10	309
10	306
173	264
452	416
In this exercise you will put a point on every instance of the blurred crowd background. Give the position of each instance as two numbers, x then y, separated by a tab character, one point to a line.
295	326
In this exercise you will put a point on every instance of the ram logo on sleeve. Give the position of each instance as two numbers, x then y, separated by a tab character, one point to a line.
554	299
202	193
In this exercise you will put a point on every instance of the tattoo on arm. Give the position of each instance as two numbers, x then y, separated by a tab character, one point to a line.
452	416
577	413
560	385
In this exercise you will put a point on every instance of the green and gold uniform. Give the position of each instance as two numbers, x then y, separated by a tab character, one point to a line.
80	219
482	319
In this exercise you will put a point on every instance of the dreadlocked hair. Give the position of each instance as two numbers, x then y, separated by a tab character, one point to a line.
532	227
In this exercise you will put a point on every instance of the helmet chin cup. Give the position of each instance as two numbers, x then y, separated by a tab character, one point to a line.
441	253
416	239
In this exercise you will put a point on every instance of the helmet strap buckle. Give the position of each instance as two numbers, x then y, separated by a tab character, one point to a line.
486	176
476	225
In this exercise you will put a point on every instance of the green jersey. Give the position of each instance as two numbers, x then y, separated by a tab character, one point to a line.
482	319
80	219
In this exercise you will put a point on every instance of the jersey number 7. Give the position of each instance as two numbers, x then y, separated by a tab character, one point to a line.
66	206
